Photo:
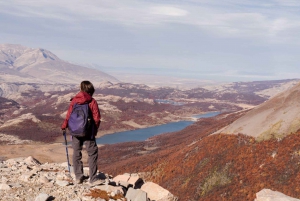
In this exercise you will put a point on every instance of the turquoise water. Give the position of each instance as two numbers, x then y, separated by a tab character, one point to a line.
145	133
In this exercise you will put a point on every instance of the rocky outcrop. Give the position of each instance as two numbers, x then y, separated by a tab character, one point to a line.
28	179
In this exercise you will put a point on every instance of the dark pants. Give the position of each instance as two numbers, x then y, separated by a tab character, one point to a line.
92	150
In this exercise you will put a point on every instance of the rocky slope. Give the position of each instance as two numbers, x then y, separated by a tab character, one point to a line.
30	65
276	117
28	179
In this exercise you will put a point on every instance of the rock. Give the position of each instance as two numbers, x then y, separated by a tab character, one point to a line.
62	183
136	195
14	161
109	188
32	161
24	167
65	165
269	195
48	185
16	185
42	197
125	177
135	181
157	193
25	177
4	187
30	180
124	184
43	180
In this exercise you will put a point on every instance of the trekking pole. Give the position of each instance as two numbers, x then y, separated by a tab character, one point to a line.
64	134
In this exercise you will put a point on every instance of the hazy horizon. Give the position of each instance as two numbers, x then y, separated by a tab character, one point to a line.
199	40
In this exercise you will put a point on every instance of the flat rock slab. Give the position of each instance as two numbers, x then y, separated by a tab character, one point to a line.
156	192
136	195
269	195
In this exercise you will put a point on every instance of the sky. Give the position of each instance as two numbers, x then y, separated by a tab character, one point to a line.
219	40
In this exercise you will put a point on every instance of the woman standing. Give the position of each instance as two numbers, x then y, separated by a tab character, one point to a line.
85	97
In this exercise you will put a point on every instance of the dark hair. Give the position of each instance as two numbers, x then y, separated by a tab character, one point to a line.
87	87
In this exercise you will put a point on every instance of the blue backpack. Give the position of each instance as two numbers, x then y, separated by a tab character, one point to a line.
80	121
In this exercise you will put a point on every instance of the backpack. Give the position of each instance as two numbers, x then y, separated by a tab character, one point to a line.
80	121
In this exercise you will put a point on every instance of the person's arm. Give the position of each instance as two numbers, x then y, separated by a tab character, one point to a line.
96	112
65	123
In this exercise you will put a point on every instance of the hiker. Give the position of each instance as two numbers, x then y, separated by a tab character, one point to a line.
83	97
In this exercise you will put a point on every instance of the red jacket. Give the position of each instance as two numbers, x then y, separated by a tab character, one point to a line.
80	98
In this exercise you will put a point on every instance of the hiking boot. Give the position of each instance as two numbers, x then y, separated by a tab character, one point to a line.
81	179
97	182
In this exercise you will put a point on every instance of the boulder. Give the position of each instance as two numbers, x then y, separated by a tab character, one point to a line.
269	195
135	181
136	195
157	193
123	178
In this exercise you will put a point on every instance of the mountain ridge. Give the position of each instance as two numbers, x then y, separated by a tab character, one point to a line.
41	66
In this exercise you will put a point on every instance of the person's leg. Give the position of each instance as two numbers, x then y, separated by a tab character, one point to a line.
92	150
77	155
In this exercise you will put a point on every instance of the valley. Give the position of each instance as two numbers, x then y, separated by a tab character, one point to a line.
36	112
253	144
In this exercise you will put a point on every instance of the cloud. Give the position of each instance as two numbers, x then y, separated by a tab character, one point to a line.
228	18
291	3
192	35
168	10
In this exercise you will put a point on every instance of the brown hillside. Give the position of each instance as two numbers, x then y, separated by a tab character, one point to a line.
195	166
277	117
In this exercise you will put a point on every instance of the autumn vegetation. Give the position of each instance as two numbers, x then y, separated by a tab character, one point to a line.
197	166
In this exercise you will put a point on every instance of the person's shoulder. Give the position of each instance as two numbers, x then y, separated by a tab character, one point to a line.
93	101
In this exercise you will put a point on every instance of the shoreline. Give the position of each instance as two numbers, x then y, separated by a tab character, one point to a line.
56	151
110	132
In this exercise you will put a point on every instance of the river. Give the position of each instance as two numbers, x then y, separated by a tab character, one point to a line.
145	133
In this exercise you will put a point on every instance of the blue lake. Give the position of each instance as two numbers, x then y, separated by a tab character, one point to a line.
145	133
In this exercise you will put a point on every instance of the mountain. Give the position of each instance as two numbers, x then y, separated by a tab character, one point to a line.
276	117
42	66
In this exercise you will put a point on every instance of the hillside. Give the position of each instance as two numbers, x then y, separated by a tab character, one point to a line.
30	65
196	165
276	117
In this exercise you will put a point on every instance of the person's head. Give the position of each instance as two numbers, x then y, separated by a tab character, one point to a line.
87	87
